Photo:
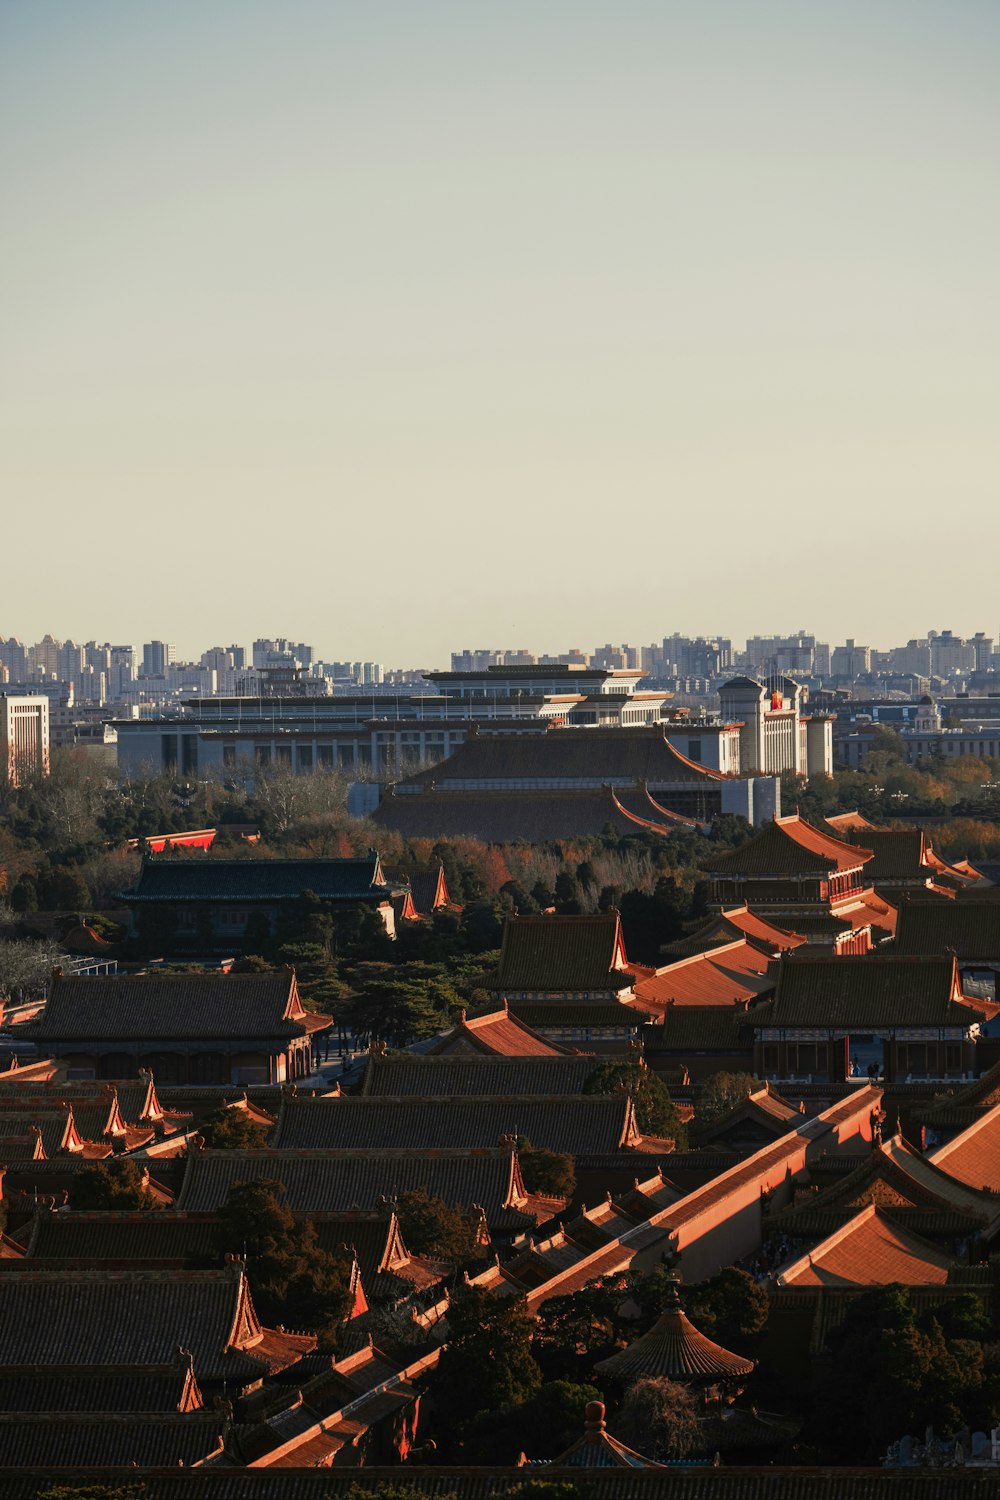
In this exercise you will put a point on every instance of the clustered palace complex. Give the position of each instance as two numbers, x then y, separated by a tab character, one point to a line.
844	965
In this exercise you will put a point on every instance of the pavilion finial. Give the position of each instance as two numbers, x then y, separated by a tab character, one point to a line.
593	1417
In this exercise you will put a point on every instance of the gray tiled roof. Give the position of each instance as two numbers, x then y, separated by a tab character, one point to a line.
561	953
104	1440
147	1006
336	1181
685	1482
129	1318
152	1235
864	990
408	1073
93	1388
969	928
577	1124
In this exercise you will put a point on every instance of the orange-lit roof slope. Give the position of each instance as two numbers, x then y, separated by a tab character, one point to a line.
869	1250
791	846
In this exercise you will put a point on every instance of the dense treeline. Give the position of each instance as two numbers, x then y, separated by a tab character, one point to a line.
958	795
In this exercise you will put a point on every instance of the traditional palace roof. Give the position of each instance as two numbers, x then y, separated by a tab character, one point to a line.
581	1015
54	1129
146	1006
227	881
738	972
408	1073
843	824
136	1098
496	1034
707	1028
871	1249
60	1440
428	891
791	846
100	1388
974	1156
94	1116
732	924
674	1348
501	817
555	954
665	1482
767	1114
636	755
865	991
175	1239
966	1103
327	1181
140	1318
970	929
899	853
92	1239
597	1449
921	1197
576	1124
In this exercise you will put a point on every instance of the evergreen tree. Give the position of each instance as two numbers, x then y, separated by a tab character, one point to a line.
231	1129
487	1363
293	1280
655	1111
430	1227
112	1184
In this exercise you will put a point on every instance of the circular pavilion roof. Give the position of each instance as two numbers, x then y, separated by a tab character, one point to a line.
674	1347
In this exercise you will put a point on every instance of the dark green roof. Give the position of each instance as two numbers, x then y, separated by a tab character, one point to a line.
865	991
176	878
130	1007
562	953
971	929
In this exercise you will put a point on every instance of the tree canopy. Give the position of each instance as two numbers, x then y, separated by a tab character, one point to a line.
293	1280
655	1111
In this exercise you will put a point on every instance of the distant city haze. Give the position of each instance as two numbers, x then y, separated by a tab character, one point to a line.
402	327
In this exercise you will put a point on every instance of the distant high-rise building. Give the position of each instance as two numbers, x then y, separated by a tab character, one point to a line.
122	670
45	657
695	656
851	660
950	655
15	658
913	659
984	648
615	658
157	656
777	654
24	737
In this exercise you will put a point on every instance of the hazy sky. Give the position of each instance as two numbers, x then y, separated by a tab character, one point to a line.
403	325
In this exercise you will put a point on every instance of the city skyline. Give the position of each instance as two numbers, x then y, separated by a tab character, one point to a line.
741	645
426	311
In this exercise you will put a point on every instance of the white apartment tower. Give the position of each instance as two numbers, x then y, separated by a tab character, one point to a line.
24	737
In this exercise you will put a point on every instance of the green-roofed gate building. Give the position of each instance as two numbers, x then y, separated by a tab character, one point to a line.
201	905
